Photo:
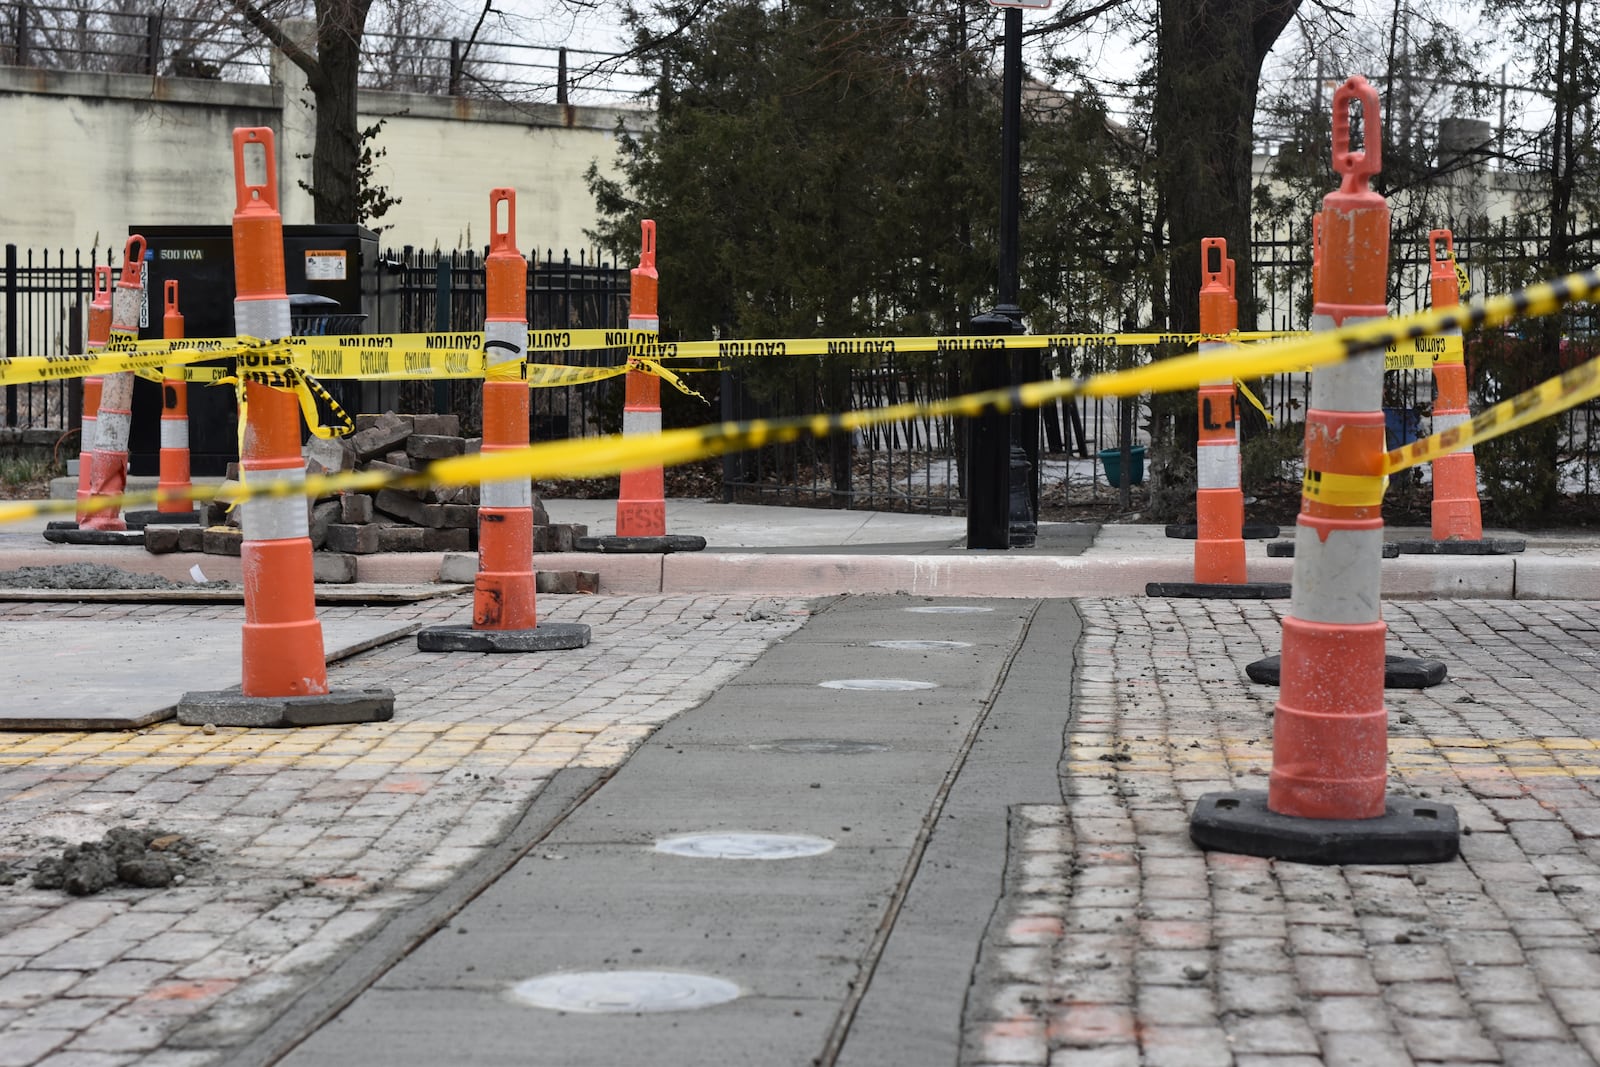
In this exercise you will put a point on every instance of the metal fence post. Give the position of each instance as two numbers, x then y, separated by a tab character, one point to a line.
152	45
20	36
441	323
561	76
11	325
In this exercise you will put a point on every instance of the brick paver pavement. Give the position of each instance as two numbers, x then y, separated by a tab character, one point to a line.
317	835
1124	944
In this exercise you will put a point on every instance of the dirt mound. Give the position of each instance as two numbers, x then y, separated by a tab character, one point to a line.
149	859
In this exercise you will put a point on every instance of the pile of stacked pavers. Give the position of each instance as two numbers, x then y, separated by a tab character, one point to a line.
435	519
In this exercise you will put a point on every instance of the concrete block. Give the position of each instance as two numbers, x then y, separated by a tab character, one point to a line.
457	516
229	707
432	446
458	567
386	432
360	540
457	540
399	538
333	568
556	581
398	458
404	505
161	539
221	541
355	507
437	425
191	539
328	455
323	515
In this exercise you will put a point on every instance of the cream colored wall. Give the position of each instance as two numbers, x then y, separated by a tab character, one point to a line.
90	154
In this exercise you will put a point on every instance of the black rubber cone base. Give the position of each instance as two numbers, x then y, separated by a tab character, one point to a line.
160	518
1285	549
230	707
1408	831
75	536
1489	546
1219	591
614	543
1252	531
1399	672
545	637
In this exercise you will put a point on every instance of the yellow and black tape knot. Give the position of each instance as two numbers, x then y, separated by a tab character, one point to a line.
308	387
1344	490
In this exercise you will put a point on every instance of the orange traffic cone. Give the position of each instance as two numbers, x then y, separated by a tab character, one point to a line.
1219	562
109	473
504	618
641	501
285	678
1457	514
174	421
99	334
1326	799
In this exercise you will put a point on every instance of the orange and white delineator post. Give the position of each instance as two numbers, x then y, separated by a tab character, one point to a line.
1330	739
641	502
174	460
504	615
1457	513
109	473
504	591
1219	499
283	651
1326	800
99	333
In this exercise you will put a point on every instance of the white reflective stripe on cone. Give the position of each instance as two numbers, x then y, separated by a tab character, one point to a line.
1353	385
506	493
1217	466
640	322
274	518
643	421
1337	580
266	319
111	431
514	334
87	442
1443	421
125	303
174	433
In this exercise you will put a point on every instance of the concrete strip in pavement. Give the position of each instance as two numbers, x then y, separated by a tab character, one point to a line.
129	672
797	935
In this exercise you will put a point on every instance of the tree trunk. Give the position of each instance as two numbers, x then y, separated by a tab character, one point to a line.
1208	72
337	150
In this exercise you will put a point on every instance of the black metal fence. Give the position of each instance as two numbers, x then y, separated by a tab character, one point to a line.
913	465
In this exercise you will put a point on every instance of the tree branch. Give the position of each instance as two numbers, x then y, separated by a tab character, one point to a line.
315	76
1071	19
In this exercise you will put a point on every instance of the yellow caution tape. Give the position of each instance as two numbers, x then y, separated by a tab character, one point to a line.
1421	353
597	457
1344	490
1255	401
1550	397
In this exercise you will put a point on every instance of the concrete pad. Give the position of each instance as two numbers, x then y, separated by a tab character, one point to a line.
173	565
1548	577
386	1028
127	673
1437	577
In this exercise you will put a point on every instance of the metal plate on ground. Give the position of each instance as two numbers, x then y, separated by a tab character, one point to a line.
351	593
744	846
922	646
949	609
623	992
819	746
878	685
120	674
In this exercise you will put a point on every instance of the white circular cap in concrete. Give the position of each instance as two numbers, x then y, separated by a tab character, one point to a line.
922	646
950	609
819	746
623	992
878	685
744	846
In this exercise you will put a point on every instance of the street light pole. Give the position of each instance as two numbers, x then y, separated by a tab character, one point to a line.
1002	497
